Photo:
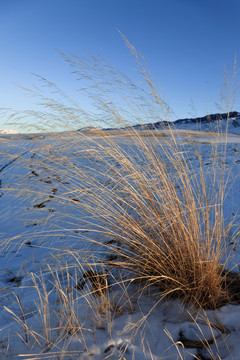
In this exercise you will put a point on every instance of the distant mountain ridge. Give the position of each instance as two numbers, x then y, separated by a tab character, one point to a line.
210	118
218	122
211	122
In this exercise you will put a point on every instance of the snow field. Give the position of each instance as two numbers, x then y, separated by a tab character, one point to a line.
47	239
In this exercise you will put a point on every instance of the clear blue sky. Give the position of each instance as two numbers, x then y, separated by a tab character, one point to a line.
186	44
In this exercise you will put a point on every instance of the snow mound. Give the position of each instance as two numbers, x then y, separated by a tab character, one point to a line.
9	131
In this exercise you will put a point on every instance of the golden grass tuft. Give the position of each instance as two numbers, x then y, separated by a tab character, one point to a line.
167	221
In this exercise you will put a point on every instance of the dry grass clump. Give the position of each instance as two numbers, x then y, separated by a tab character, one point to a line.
166	221
156	216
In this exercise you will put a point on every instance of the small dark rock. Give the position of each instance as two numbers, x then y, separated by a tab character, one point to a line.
34	173
108	348
28	243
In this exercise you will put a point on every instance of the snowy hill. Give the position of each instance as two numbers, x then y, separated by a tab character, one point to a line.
212	123
8	131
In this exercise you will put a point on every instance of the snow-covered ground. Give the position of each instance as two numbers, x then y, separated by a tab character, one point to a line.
43	315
